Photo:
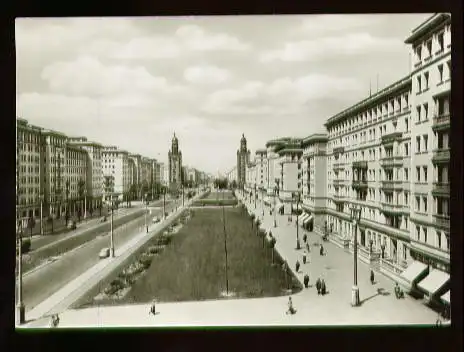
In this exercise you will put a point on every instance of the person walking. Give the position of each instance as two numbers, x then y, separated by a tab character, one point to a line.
153	308
321	250
306	280
318	285
304	258
323	287
290	310
297	265
308	248
305	238
372	277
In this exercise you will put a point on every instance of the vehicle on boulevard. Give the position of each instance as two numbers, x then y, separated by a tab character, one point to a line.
104	253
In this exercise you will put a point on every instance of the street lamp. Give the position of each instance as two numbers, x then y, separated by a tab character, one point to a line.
275	210
164	202
41	198
111	228
297	234
85	203
355	215
146	210
225	245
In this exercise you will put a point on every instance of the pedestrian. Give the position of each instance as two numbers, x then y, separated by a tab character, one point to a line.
290	310
372	277
304	258
308	248
305	238
297	265
318	285
398	292
153	308
306	280
55	320
321	250
323	287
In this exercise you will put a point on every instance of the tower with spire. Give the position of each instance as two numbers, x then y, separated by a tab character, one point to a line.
243	157
175	166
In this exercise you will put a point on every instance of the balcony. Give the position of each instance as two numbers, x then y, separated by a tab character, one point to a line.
390	208
391	137
338	150
442	221
338	166
391	161
338	198
441	156
441	189
337	181
359	165
441	122
390	185
359	184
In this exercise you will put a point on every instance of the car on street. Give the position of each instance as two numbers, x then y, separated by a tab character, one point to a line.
156	220
104	253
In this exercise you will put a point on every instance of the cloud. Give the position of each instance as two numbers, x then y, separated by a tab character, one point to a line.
195	38
206	74
281	96
321	48
88	76
148	48
316	26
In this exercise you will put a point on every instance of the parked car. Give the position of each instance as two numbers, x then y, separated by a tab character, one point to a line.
72	225
156	220
104	253
103	219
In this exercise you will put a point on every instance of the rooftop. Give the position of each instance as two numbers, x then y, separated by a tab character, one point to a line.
428	25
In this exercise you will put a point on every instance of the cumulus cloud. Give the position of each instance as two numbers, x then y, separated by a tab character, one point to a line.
321	48
284	95
323	24
88	76
206	74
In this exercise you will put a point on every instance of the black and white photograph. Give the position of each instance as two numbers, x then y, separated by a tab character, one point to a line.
220	171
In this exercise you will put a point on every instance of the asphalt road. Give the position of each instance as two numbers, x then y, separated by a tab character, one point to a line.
40	284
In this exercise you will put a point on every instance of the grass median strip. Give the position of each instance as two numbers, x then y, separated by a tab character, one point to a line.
191	266
33	259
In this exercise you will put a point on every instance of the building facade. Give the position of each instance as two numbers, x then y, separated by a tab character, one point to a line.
261	171
115	172
243	157
175	166
289	177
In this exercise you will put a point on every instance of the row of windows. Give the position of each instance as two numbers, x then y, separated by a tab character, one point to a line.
433	45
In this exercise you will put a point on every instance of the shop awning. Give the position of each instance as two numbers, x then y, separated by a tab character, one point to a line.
414	270
447	297
434	281
302	218
308	219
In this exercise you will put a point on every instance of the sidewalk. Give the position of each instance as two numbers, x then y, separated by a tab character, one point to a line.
71	292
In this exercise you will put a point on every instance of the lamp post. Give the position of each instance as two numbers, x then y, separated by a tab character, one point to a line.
164	202
111	228
182	195
275	210
297	234
85	203
355	215
225	245
146	210
41	198
255	195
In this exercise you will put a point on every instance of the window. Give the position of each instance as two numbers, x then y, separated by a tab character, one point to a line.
426	111
417	173
425	234
406	124
418	233
440	74
406	174
425	173
428	44
419	84
426	80
417	203
448	64
406	199
419	53
424	201
418	146
441	42
438	239
418	113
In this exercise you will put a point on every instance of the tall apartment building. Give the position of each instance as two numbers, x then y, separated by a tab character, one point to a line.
261	171
243	158
94	178
76	179
30	171
115	172
314	180
289	176
273	168
430	136
164	172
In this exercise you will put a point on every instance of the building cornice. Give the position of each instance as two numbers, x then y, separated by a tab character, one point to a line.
427	26
393	89
314	138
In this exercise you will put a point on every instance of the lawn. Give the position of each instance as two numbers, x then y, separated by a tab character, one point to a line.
192	266
217	199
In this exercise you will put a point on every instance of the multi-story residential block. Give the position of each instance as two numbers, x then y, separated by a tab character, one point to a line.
261	171
273	169
314	180
164	172
290	176
29	170
136	177
430	138
115	172
77	160
243	158
94	178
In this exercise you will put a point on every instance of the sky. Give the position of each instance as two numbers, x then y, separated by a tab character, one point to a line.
133	82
